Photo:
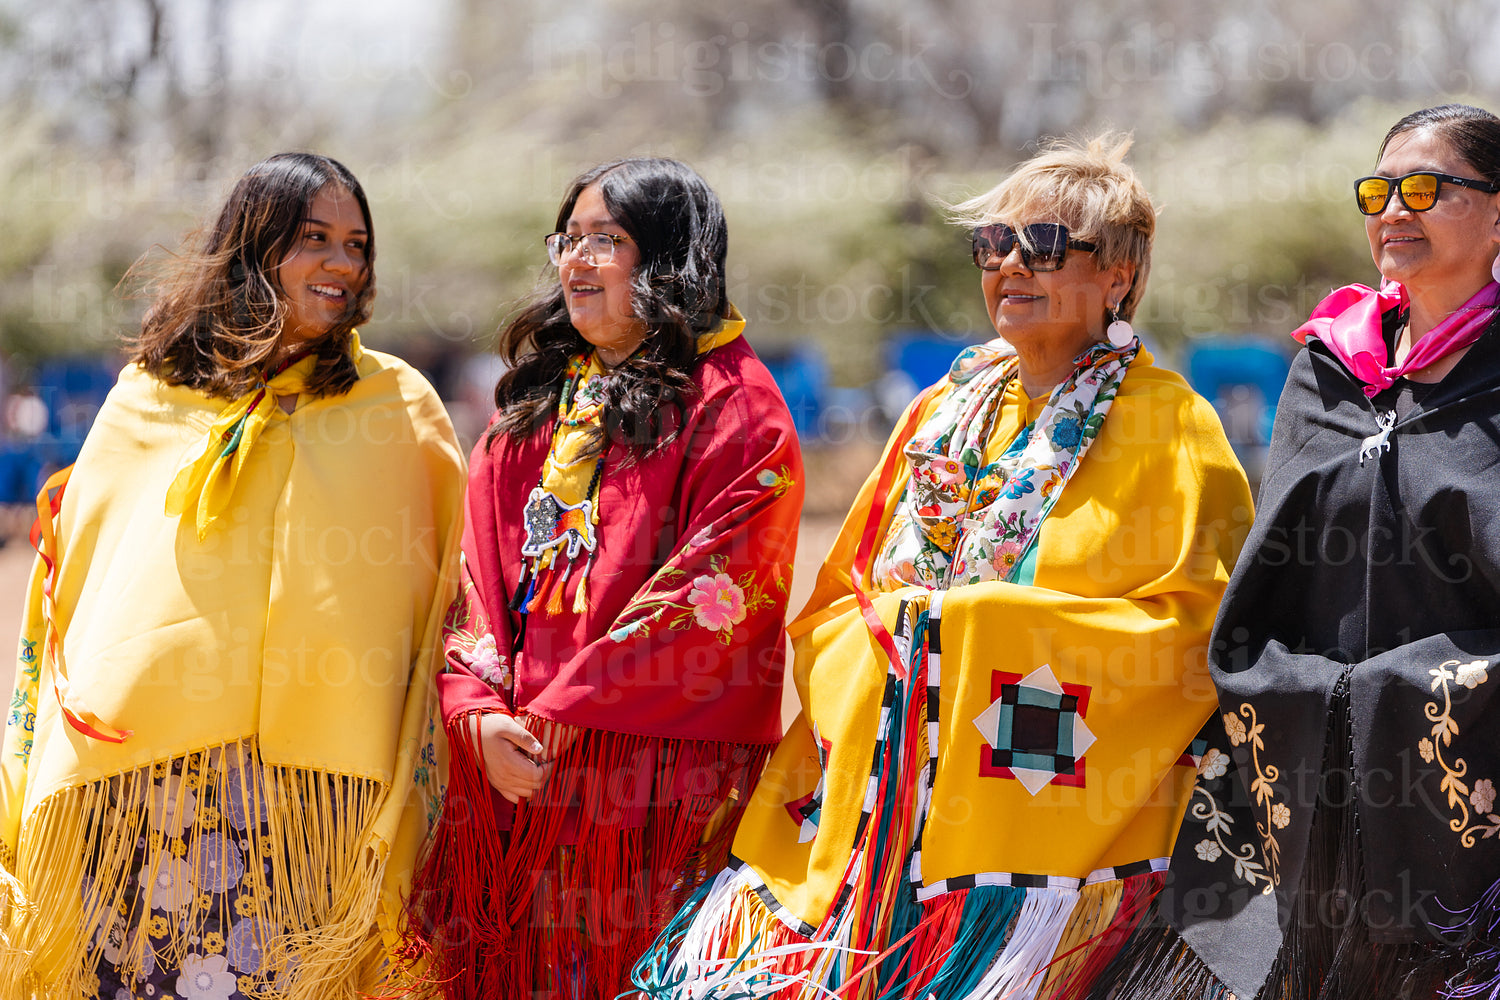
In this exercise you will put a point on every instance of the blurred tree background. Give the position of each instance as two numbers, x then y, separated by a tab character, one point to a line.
834	130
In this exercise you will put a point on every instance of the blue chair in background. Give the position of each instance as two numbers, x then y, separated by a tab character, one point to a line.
1243	378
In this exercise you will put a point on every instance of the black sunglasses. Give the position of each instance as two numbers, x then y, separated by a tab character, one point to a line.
1418	191
1044	245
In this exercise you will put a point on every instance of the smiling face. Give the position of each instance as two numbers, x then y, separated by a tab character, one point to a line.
598	295
326	268
1049	315
1444	253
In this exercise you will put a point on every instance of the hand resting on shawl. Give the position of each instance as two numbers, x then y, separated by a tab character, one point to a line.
509	753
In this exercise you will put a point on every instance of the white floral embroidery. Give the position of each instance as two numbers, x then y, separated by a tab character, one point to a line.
1215	763
1208	850
1483	796
1471	675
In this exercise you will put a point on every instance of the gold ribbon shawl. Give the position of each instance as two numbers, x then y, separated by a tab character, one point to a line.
272	653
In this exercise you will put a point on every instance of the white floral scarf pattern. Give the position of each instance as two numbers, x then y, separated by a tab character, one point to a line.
961	520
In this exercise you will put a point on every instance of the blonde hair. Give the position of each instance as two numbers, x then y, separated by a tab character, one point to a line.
1087	186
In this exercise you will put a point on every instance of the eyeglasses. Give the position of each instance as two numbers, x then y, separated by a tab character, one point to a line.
1044	246
596	248
1418	191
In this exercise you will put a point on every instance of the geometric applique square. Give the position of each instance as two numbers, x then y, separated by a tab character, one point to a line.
807	811
1034	730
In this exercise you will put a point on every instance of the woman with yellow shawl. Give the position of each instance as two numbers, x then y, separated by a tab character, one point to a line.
221	758
1002	666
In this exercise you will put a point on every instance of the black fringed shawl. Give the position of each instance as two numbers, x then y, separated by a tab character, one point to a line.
1343	839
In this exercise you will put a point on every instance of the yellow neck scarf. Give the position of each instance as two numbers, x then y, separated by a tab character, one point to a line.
206	484
562	513
564	474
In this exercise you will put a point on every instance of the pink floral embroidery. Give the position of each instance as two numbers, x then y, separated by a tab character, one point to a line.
487	663
715	601
718	603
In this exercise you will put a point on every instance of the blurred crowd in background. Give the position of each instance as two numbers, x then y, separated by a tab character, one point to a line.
836	132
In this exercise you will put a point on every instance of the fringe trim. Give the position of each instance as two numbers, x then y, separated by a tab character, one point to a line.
77	864
1158	965
1326	953
983	942
505	913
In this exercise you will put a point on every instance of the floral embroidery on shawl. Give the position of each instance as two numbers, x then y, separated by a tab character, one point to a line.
778	482
1262	787
469	638
717	602
22	718
1444	728
1218	823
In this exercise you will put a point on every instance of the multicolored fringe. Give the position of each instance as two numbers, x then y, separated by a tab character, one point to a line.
732	940
887	936
587	872
88	896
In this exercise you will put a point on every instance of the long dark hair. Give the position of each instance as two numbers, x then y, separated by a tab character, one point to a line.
1474	134
678	290
217	305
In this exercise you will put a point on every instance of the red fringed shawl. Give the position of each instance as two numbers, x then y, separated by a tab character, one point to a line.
658	702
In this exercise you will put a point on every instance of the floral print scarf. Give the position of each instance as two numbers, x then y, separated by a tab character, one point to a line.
962	520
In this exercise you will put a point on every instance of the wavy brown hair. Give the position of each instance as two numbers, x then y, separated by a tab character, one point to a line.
217	306
678	289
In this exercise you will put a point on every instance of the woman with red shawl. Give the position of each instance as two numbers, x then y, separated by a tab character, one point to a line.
614	664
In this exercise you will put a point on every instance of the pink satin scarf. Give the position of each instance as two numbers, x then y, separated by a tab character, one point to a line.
1348	321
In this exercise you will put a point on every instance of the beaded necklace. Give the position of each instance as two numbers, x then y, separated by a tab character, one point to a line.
557	530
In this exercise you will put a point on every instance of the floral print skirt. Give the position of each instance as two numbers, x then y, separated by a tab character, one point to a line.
194	920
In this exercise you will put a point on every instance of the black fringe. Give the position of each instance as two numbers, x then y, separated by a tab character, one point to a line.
1156	964
1327	953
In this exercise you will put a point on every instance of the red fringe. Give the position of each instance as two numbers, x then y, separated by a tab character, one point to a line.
591	869
883	850
1137	893
933	941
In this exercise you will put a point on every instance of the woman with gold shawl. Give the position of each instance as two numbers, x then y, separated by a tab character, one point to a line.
1002	666
220	758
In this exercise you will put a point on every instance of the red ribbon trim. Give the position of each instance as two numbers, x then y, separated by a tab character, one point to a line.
871	535
44	540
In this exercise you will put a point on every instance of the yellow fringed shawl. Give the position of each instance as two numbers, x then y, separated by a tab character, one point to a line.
1132	562
284	657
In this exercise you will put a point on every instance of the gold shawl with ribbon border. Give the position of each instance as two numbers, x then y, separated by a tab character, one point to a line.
286	618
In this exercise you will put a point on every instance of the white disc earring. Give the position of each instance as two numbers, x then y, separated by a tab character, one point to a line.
1120	333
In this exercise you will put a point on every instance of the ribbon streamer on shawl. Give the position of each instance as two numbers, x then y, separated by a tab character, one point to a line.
1349	322
44	540
871	536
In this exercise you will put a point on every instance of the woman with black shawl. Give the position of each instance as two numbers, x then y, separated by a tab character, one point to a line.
1342	838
